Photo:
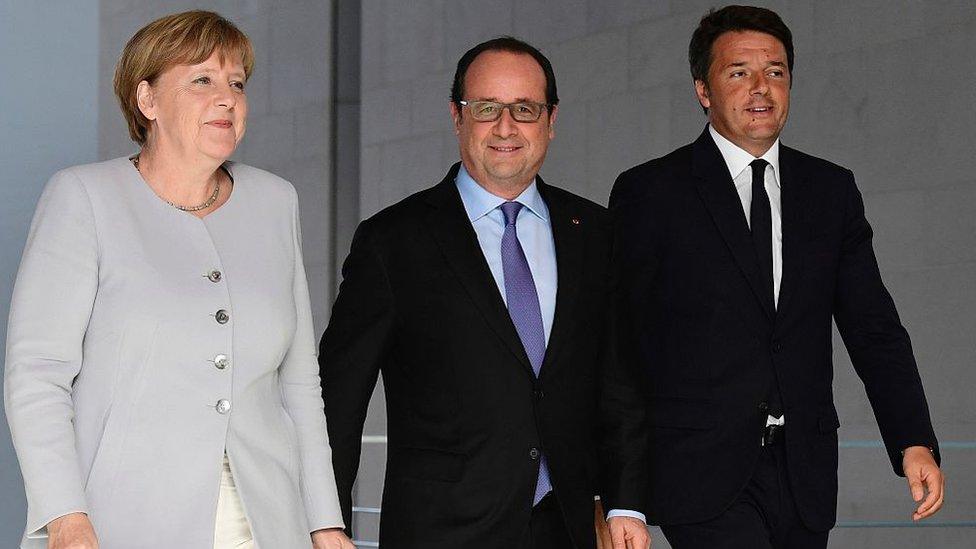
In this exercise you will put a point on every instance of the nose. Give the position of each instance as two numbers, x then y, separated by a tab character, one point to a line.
760	85
505	126
225	96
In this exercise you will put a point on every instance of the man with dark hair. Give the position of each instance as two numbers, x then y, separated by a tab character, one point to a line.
732	255
484	300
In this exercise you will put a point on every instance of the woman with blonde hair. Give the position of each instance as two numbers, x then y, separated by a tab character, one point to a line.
161	382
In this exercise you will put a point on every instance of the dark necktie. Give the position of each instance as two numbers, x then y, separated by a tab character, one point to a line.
761	223
523	307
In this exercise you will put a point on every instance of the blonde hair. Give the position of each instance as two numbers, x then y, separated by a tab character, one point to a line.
187	38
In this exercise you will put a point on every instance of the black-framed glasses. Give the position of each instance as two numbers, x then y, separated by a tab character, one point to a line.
489	111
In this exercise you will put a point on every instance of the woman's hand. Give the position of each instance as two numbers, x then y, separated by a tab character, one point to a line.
331	538
72	531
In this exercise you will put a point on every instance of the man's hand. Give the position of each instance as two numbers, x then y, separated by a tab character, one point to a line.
331	538
923	476
72	531
629	533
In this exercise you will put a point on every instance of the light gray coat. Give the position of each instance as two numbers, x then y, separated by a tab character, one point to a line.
111	383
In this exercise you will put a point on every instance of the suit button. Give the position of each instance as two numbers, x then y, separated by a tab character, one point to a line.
538	394
221	362
777	347
214	276
534	453
223	406
222	316
763	407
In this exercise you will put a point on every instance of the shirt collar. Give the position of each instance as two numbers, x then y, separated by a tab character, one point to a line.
738	159
478	202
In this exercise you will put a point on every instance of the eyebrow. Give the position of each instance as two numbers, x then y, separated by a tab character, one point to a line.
517	100
743	64
213	71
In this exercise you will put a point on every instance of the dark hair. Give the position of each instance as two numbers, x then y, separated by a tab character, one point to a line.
506	44
732	19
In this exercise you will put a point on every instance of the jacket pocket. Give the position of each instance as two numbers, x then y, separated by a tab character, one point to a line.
426	464
135	349
682	413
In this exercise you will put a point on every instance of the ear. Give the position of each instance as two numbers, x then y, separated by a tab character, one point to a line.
701	90
552	121
456	117
146	100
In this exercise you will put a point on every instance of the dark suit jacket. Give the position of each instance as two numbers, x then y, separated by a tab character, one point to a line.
693	323
465	413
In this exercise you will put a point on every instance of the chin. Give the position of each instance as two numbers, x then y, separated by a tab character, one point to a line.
219	152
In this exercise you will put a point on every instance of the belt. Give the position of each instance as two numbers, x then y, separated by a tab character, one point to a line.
772	435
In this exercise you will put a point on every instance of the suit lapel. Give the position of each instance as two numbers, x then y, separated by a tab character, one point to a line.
717	191
454	234
794	199
567	233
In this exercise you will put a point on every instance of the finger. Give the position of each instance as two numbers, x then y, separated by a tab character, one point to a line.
617	537
926	505
932	510
934	486
915	485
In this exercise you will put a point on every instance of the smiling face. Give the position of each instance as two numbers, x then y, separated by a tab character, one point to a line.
197	109
748	89
504	156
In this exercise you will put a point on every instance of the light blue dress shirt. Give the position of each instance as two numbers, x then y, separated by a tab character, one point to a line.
534	233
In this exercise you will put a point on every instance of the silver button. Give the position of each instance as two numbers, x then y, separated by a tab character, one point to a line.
223	406
222	316
221	362
214	275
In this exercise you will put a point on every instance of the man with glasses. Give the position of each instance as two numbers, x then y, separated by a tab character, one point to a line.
733	255
484	302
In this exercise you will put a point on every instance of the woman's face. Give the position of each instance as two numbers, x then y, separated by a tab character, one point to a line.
197	109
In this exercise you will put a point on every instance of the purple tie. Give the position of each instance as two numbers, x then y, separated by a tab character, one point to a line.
523	307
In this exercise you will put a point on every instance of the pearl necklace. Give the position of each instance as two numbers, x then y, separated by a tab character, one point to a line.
210	201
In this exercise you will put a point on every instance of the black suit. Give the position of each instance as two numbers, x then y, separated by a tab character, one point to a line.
709	346
466	416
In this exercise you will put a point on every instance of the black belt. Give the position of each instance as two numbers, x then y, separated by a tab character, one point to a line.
772	435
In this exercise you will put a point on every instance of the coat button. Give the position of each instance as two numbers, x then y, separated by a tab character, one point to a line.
777	347
214	275
221	362
537	393
223	406
763	407
222	316
534	453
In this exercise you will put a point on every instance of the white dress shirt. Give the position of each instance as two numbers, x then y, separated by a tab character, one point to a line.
738	161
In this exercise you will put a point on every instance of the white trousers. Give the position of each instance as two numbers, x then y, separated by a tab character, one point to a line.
231	530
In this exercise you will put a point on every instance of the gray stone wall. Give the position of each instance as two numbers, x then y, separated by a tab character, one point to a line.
46	82
884	88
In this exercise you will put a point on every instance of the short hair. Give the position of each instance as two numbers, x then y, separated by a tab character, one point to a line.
188	37
734	19
504	44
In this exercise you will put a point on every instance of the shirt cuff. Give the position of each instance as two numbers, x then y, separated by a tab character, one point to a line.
626	513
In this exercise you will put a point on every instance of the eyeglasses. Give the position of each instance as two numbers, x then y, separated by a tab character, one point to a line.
489	111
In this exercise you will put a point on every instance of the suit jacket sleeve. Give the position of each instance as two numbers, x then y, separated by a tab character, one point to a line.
49	313
623	404
878	344
301	391
351	354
